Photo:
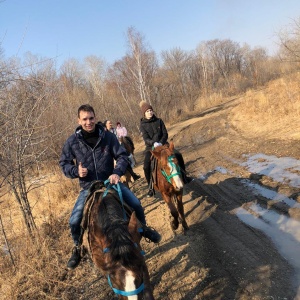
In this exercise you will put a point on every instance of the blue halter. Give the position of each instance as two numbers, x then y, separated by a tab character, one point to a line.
124	293
120	292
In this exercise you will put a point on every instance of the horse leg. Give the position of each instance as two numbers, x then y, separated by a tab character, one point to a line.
173	211
181	211
148	291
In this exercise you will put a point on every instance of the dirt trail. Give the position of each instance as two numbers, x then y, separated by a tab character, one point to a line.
220	257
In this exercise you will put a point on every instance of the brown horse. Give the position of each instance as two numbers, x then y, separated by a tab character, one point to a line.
114	243
167	179
128	144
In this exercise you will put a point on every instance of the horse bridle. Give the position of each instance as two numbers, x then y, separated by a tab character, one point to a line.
173	165
106	250
125	293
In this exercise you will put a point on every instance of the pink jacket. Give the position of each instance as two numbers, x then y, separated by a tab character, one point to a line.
121	131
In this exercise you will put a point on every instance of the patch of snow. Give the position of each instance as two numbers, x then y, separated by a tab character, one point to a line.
283	231
280	169
270	194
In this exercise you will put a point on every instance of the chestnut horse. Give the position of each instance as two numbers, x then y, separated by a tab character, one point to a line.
167	179
114	244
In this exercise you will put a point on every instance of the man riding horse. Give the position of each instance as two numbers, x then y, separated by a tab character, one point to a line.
89	155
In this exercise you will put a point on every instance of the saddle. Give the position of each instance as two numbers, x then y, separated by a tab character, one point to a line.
96	188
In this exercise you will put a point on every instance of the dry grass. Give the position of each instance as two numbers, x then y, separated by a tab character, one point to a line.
40	271
273	111
209	101
39	266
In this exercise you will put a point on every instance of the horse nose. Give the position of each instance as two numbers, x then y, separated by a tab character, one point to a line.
179	187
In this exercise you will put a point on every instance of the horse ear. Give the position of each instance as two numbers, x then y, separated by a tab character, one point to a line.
156	154
171	146
133	227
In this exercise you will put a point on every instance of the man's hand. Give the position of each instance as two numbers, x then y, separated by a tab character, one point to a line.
82	172
114	178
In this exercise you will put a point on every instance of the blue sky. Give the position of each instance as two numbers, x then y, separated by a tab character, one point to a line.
75	29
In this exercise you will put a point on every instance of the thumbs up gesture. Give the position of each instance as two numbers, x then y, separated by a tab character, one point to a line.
82	171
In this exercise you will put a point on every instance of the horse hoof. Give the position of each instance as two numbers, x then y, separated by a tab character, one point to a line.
185	226
174	225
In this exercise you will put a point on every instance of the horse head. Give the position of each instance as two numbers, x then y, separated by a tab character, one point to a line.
121	257
168	164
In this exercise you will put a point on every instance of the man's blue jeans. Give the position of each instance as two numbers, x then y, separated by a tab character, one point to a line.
77	212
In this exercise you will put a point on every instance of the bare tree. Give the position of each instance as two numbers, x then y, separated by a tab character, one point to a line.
6	242
255	65
24	138
206	69
72	92
289	41
226	56
133	76
96	72
181	76
141	63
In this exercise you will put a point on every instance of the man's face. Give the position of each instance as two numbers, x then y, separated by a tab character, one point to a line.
109	125
87	120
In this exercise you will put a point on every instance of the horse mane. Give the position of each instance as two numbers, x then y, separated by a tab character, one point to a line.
115	228
164	151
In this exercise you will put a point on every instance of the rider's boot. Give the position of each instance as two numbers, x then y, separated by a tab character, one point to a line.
75	258
151	234
134	175
150	193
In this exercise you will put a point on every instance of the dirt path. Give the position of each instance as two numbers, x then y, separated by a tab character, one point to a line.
241	244
221	257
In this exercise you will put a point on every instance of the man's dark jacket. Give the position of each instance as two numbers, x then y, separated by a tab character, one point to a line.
98	160
153	130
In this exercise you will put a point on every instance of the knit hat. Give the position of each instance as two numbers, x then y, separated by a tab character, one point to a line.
145	106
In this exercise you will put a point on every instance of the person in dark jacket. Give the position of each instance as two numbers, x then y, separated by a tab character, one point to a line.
155	134
89	155
109	126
